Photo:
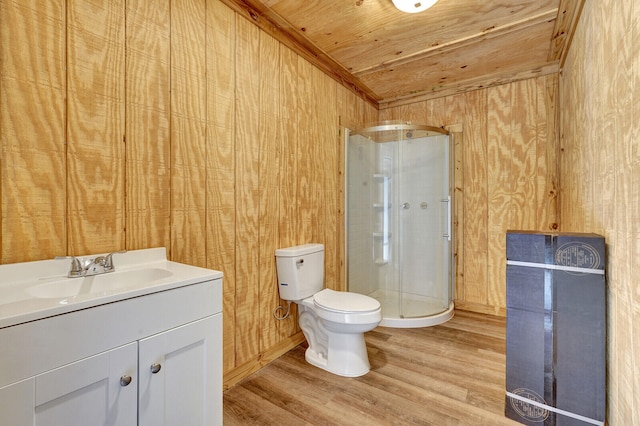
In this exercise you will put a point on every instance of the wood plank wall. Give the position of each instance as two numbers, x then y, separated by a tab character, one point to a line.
600	176
179	124
33	119
506	176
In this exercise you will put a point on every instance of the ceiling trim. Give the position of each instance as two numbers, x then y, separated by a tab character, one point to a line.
281	30
569	12
487	34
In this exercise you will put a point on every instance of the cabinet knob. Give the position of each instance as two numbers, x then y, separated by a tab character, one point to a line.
125	380
155	368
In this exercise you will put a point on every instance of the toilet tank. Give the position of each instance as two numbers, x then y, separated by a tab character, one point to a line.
300	271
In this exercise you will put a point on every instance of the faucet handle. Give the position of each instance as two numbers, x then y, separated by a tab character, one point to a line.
76	269
108	260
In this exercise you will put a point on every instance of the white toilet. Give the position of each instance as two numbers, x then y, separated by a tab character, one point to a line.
334	322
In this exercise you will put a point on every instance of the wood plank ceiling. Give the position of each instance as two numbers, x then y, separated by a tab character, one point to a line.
391	57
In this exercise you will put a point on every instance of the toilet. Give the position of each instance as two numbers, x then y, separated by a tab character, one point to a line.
333	322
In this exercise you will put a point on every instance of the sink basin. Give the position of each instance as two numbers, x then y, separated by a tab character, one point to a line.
98	284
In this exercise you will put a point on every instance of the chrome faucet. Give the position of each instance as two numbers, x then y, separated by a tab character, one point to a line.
89	267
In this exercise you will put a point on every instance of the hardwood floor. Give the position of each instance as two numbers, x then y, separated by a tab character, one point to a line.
451	374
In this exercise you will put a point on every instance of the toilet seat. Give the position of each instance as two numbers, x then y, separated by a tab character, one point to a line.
345	302
343	307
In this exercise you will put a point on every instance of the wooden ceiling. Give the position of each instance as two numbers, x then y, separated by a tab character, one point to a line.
391	57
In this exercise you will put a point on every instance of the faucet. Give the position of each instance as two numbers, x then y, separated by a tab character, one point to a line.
89	267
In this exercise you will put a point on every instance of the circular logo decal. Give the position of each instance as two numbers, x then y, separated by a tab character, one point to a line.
529	411
578	255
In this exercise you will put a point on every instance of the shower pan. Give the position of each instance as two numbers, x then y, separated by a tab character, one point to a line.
398	221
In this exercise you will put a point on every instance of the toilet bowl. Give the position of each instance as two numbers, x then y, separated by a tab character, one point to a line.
333	322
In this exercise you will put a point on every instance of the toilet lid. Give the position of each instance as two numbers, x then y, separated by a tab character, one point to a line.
343	301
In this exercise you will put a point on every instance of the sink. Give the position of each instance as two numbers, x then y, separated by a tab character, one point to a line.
98	284
35	290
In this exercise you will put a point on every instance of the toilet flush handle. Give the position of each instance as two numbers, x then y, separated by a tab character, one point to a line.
299	261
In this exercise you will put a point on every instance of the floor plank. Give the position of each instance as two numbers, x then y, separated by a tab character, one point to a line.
451	374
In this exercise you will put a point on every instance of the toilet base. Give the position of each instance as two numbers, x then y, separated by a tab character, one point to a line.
346	355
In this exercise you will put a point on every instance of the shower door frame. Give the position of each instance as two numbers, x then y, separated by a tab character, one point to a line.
447	313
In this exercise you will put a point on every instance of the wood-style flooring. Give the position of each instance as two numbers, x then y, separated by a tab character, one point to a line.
450	374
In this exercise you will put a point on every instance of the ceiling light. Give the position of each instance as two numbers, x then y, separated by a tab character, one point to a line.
413	6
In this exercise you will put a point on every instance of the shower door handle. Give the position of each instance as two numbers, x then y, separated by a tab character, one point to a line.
448	201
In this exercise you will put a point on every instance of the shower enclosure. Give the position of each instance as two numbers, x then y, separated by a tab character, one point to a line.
398	221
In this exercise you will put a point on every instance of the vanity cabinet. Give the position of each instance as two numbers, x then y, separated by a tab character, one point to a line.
149	360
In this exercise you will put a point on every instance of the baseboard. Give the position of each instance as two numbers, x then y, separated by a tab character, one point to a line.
237	374
481	309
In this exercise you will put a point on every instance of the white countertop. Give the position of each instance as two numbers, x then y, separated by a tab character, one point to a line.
31	291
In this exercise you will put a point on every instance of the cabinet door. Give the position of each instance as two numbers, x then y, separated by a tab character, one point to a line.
180	374
17	402
94	390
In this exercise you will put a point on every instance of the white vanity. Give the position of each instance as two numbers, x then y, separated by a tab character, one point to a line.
138	346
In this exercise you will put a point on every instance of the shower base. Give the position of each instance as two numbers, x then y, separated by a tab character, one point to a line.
419	311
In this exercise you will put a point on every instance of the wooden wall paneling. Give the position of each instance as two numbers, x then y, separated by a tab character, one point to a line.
609	123
188	123
524	170
585	149
351	111
32	131
315	149
333	224
370	114
621	227
221	206
147	125
436	110
247	191
617	196
474	222
420	113
499	186
404	113
611	176
632	214
456	135
247	311
600	190
548	150
306	152
269	181
569	204
385	114
289	219
340	190
326	93
95	127
453	123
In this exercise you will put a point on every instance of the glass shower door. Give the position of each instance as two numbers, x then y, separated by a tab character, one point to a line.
424	226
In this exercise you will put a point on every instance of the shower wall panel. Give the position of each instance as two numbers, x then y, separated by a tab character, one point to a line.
360	183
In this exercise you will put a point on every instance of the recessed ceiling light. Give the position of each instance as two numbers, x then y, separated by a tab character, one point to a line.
413	6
